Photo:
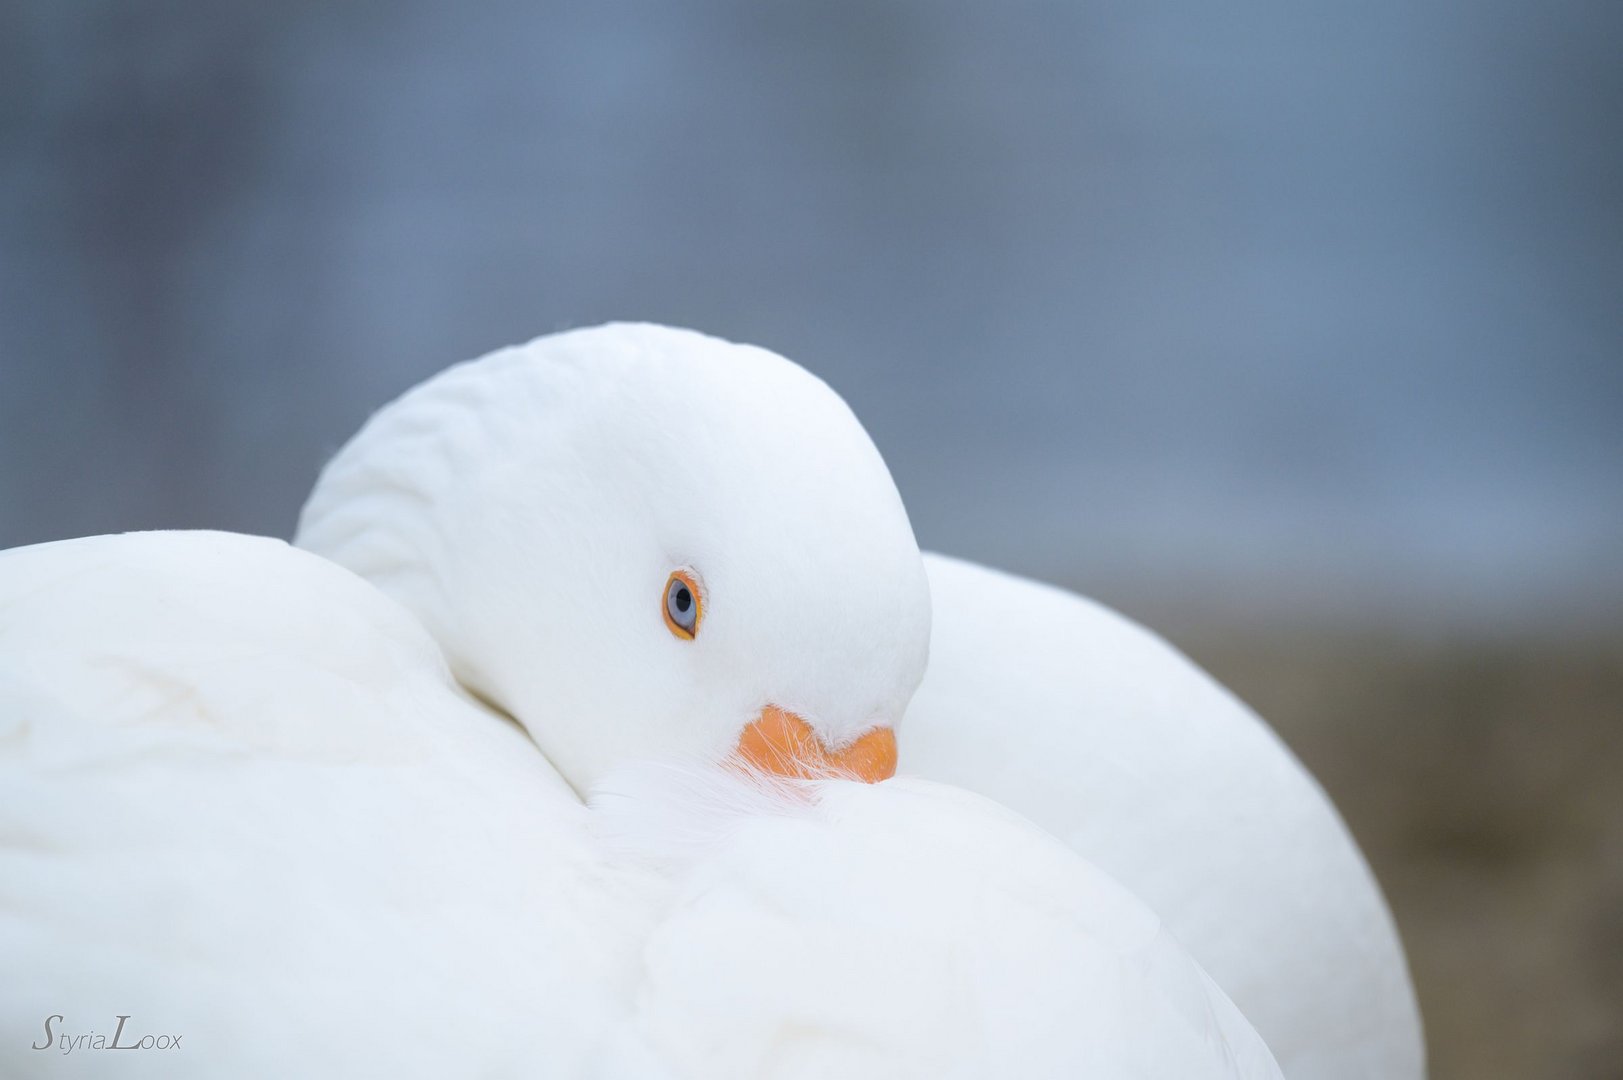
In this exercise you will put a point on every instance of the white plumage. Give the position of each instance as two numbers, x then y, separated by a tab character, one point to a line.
247	799
245	803
1117	744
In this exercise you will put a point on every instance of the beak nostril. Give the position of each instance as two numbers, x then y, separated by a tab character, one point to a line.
781	743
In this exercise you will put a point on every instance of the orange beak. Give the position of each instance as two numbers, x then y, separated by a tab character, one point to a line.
783	744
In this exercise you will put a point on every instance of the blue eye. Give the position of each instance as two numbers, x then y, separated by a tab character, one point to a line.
682	605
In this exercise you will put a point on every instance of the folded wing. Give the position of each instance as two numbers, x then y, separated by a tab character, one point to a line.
1106	736
241	801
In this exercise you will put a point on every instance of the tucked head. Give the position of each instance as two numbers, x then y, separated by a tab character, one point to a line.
644	543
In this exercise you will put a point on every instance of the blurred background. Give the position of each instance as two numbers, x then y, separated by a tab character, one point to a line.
1293	330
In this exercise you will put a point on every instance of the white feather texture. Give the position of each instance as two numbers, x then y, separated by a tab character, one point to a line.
1141	763
529	505
322	815
245	804
984	947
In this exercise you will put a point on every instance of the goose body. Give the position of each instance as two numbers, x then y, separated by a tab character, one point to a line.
543	757
247	804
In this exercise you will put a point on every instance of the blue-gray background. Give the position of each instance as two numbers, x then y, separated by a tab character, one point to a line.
1216	310
1293	328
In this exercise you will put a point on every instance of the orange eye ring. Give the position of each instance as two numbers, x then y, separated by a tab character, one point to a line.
682	604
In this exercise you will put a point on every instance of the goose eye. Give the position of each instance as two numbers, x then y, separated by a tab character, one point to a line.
682	605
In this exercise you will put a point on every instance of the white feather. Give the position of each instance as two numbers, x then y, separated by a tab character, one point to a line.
1144	765
253	798
245	804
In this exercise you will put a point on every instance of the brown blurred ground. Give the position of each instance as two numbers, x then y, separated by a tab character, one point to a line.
1485	784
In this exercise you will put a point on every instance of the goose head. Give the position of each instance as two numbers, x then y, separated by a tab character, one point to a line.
644	543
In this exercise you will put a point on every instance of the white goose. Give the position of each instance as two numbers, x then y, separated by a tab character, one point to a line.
250	804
